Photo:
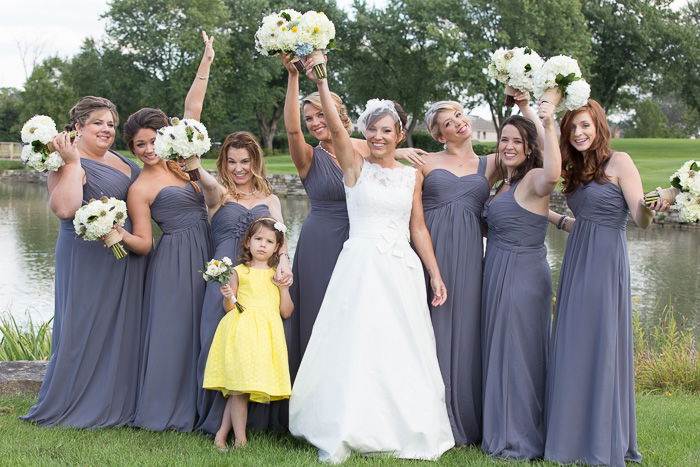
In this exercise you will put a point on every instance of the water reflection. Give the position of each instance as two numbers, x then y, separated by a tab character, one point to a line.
663	261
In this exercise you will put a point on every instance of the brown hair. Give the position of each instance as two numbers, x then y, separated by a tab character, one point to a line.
580	168
528	133
400	125
243	140
85	106
259	223
315	99
433	112
152	119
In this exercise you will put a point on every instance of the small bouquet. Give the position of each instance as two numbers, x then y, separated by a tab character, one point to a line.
37	150
186	139
515	68
302	35
96	221
220	271
687	201
559	82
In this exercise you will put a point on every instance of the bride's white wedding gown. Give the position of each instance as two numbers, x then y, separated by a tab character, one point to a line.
369	381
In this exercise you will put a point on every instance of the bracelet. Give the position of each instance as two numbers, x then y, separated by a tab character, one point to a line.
562	222
284	254
202	77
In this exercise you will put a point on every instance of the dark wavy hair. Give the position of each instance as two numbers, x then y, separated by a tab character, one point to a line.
528	133
580	168
259	223
152	119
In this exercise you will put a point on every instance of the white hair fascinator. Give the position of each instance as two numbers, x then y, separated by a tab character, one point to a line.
376	108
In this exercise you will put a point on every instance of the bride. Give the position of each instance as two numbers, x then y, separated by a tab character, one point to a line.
369	381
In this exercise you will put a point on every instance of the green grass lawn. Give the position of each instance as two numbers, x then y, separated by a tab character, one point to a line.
667	426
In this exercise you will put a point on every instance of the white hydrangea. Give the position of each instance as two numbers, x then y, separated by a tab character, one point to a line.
576	95
521	68
546	77
688	207
39	128
688	177
497	67
183	138
97	218
54	161
316	29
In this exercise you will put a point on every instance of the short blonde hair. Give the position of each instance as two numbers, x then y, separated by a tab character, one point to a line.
434	110
315	99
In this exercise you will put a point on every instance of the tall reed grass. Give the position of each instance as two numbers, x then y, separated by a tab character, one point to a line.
31	342
666	358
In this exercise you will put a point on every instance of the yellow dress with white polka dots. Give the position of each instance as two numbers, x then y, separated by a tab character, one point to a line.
249	351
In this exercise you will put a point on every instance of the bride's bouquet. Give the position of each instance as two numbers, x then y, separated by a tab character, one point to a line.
559	82
303	35
515	68
187	139
37	150
687	202
220	271
97	219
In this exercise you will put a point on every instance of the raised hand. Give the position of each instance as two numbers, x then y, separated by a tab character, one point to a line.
522	99
67	149
289	63
208	47
310	70
546	112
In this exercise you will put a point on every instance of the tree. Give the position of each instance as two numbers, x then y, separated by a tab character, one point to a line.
633	41
10	108
47	93
473	29
392	53
648	121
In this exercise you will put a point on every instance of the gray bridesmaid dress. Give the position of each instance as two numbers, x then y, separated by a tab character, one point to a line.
228	225
516	304
173	305
452	207
322	236
92	376
590	407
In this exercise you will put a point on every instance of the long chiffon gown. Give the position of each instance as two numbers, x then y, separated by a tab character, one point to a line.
322	236
228	225
452	208
92	376
516	316
590	408
173	306
370	381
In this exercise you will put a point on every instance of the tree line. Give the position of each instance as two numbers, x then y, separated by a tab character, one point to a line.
640	56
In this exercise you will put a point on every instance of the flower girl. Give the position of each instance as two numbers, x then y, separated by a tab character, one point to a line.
248	356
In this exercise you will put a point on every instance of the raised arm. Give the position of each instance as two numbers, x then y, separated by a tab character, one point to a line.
65	186
349	160
546	179
522	99
420	237
211	188
300	151
195	96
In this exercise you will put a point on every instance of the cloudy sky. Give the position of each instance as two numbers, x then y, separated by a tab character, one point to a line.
34	29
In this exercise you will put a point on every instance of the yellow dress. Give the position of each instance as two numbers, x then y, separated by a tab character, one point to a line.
249	351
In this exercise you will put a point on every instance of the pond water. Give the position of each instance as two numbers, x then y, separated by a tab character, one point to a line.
665	274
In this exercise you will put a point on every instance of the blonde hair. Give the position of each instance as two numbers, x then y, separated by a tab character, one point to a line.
315	99
243	140
433	111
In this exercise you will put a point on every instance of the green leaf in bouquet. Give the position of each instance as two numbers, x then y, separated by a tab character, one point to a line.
676	183
563	81
332	45
694	166
527	50
286	16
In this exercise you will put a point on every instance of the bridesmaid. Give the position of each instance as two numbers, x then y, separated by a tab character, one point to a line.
92	375
174	287
454	190
326	227
517	288
242	195
590	377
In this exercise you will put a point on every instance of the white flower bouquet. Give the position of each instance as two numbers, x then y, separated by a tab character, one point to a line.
37	150
97	219
220	271
186	139
302	35
515	68
559	82
687	201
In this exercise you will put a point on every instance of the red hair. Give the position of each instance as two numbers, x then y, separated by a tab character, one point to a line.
580	168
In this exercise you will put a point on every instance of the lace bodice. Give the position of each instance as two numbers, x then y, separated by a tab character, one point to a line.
379	205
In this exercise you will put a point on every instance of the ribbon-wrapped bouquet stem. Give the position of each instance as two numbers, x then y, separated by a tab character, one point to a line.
97	220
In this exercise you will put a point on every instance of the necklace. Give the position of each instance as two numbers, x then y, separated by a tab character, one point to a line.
241	192
320	145
506	180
